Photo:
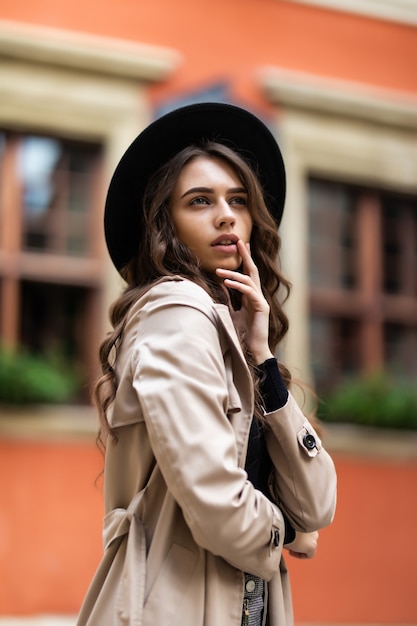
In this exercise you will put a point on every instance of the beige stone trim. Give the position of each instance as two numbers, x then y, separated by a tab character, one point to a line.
336	97
49	423
335	130
376	443
104	55
403	11
47	620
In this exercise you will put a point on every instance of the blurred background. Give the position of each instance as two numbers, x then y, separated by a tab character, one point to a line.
336	81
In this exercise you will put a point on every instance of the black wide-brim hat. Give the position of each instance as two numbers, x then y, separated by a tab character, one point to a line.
162	139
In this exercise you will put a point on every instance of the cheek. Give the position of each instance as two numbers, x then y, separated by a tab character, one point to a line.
182	230
248	225
176	221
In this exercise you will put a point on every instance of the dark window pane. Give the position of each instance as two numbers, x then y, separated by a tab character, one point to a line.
57	179
332	235
401	350
37	161
335	350
52	319
399	226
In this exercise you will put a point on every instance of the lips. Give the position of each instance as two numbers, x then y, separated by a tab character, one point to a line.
225	244
225	240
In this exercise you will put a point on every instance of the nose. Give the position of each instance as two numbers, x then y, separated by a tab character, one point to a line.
225	215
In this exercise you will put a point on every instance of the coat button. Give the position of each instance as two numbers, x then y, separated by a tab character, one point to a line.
309	441
276	538
250	586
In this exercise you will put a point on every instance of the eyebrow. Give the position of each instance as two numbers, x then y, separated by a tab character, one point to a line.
210	190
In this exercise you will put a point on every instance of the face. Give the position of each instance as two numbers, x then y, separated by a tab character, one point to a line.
209	208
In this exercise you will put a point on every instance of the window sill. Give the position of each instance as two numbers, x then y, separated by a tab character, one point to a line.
370	442
48	422
63	422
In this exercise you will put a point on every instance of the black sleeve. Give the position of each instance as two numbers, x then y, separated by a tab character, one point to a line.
274	395
289	532
272	387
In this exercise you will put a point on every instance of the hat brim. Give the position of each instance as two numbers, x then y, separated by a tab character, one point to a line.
162	139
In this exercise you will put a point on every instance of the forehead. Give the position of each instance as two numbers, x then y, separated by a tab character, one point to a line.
210	168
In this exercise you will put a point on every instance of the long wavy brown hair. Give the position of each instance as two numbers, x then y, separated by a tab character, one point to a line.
160	253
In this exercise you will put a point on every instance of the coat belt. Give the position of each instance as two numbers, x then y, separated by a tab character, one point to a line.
130	595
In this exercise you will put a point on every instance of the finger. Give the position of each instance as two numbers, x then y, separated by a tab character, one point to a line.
236	276
242	282
244	251
298	555
238	280
245	288
249	265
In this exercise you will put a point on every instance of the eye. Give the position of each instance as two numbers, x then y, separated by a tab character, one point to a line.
199	200
241	200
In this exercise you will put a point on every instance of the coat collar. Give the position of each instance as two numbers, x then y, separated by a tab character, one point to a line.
239	378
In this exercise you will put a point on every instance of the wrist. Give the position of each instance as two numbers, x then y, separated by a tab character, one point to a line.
262	356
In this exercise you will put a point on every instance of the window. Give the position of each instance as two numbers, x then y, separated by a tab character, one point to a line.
363	279
50	275
56	282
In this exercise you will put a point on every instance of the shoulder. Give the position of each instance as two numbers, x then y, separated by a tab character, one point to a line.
171	292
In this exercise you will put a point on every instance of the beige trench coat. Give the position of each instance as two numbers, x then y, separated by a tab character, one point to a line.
182	523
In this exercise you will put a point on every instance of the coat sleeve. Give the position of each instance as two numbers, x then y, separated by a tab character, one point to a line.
304	477
180	380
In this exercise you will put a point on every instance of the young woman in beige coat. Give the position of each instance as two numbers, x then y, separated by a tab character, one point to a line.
211	468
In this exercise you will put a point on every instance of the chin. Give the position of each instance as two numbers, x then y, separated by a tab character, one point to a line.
232	265
227	264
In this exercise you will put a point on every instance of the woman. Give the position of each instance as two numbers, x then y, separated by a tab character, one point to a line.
210	465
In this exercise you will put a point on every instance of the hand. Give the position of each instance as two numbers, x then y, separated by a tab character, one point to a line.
304	545
253	317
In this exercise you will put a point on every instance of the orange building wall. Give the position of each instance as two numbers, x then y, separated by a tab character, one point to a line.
50	537
50	521
50	508
232	39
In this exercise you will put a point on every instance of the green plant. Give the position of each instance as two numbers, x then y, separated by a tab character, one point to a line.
29	379
376	400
